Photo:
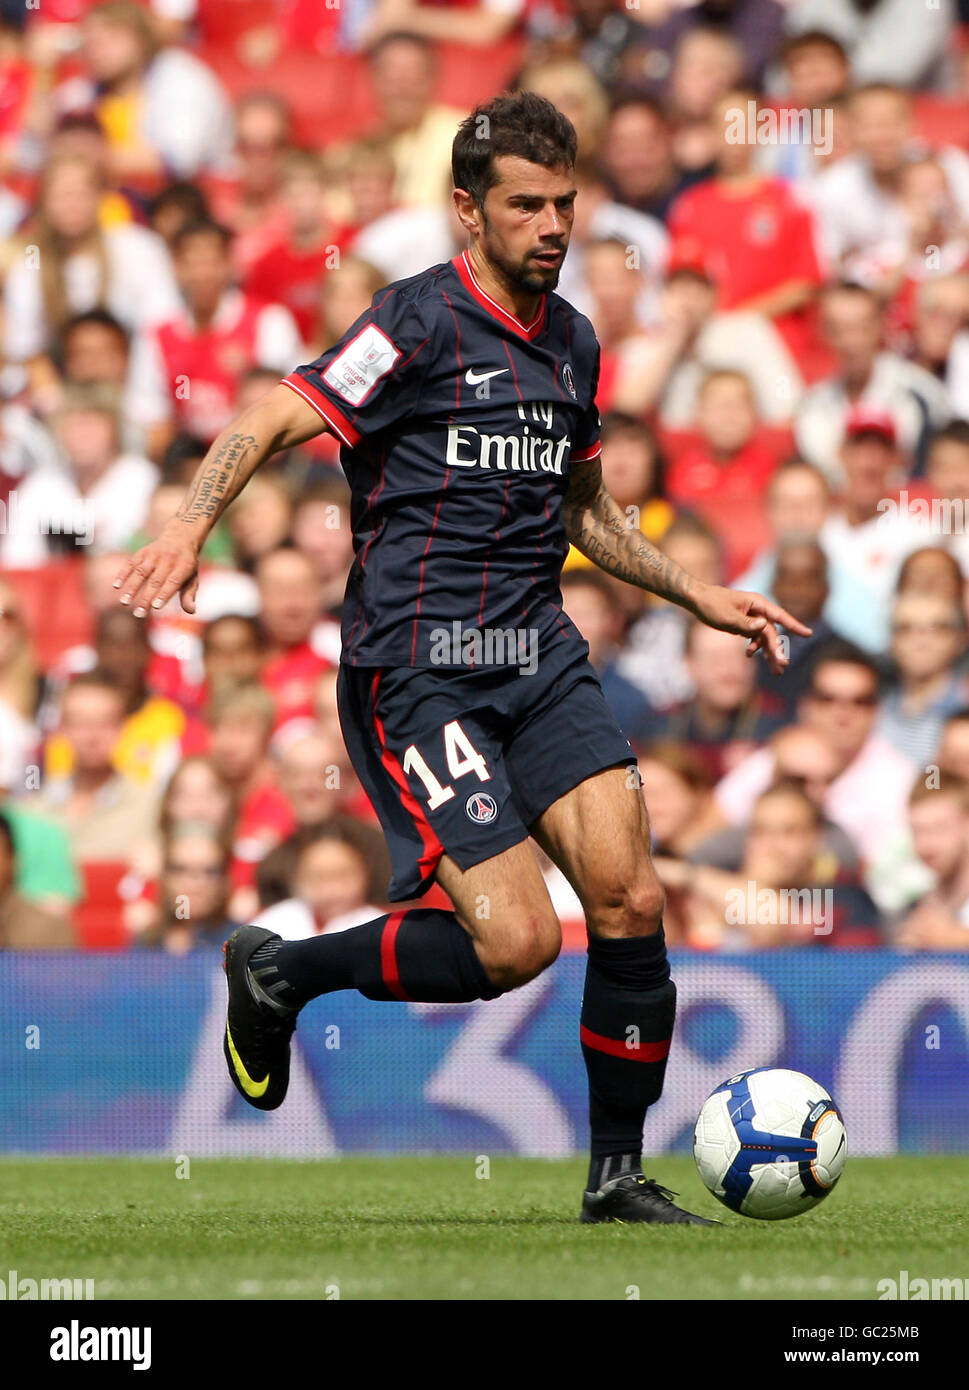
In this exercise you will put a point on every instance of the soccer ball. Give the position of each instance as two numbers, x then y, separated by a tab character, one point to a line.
769	1143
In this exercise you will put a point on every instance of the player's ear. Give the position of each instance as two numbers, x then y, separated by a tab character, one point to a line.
469	214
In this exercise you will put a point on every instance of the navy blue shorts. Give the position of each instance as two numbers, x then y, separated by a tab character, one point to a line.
463	762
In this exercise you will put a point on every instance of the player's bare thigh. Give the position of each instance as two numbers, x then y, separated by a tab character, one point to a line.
598	835
504	905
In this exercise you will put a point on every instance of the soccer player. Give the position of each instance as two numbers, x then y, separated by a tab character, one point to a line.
465	402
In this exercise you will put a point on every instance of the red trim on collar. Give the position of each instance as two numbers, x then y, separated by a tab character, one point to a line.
462	265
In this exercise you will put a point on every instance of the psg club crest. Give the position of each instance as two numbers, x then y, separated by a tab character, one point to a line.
481	808
569	380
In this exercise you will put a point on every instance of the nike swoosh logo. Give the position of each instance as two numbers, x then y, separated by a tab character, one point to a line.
251	1088
474	378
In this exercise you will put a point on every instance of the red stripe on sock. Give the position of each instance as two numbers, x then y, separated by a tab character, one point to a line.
388	955
617	1047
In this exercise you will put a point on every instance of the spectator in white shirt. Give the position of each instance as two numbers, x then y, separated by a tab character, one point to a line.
886	40
874	527
852	325
867	798
188	369
857	200
69	265
97	497
180	119
938	813
940	336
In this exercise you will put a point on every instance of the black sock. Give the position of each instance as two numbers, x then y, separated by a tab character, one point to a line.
628	1010
421	954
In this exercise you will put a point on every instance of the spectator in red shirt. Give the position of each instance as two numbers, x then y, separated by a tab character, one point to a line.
247	200
241	719
731	458
186	373
291	270
321	530
750	234
289	594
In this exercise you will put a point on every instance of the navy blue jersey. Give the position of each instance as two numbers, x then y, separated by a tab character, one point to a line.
458	424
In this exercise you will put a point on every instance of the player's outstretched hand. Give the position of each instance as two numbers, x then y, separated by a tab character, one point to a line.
751	616
167	566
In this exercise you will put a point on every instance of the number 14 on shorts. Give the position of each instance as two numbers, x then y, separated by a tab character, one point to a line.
462	757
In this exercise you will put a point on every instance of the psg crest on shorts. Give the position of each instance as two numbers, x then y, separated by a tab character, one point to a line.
569	380
481	808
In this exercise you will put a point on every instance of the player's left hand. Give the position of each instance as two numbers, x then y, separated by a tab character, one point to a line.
751	616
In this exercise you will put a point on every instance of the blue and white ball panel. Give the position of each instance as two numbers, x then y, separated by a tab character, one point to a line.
769	1143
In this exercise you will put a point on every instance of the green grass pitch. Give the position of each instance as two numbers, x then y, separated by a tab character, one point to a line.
413	1228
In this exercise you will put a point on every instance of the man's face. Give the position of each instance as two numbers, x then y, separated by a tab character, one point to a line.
91	721
306	781
403	80
942	311
331	878
869	463
95	353
526	223
783	840
203	270
801	755
949	468
723	674
797	503
881	125
927	635
816	73
112	50
940	832
726	414
195	877
851	325
237	745
289	596
232	653
123	650
636	150
841	705
593	616
800	585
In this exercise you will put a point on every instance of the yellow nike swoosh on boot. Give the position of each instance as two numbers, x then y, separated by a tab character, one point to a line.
251	1088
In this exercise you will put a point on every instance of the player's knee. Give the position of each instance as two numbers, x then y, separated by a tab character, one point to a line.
634	908
527	948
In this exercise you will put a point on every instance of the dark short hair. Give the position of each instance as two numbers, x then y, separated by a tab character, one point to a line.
244	618
96	318
202	226
812	38
842	653
955	432
523	124
401	36
186	196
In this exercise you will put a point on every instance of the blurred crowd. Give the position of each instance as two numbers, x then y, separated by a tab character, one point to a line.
772	242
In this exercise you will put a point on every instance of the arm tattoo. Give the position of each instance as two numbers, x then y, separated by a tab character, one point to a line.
596	526
217	482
